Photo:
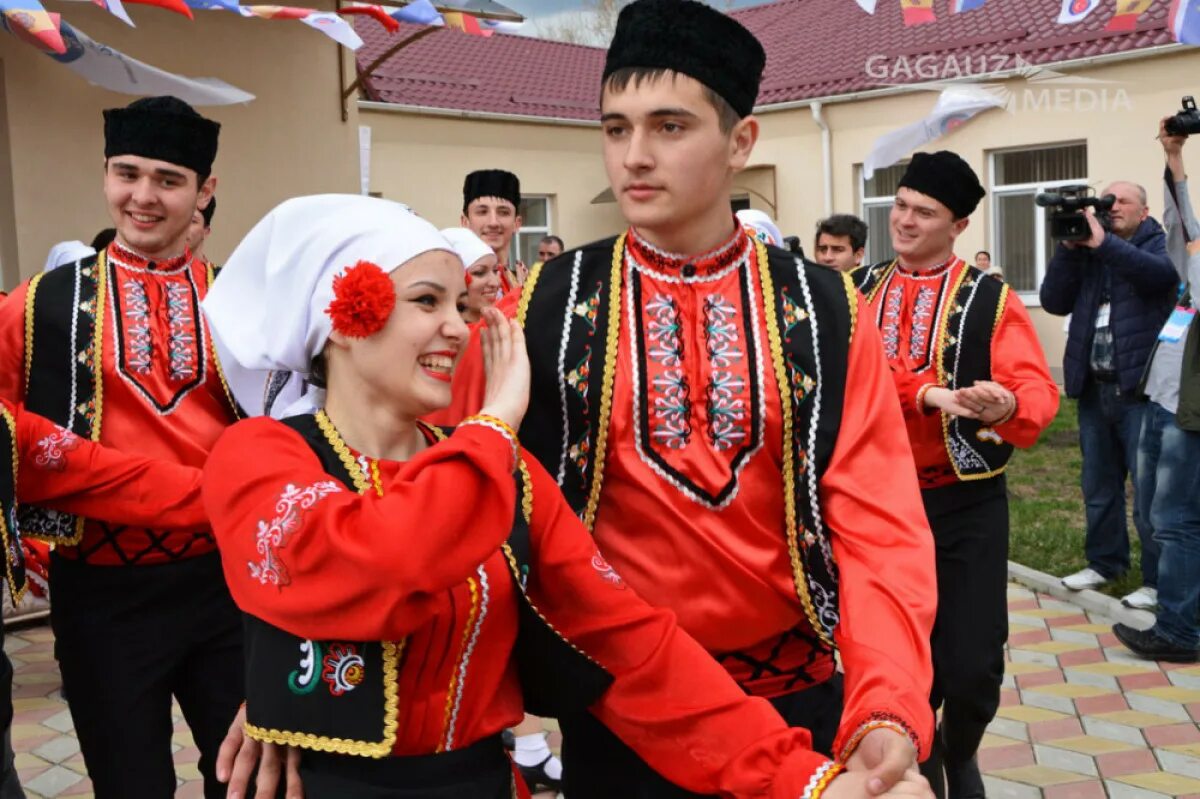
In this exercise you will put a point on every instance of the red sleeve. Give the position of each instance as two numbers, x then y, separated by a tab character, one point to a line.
305	553
1019	364
12	345
909	387
884	552
61	470
670	701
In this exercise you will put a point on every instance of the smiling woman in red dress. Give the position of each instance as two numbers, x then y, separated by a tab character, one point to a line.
410	590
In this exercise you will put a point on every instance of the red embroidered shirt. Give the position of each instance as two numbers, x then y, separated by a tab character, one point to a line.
162	393
413	563
909	309
723	566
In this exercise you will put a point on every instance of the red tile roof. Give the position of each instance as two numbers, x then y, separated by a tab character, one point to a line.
815	48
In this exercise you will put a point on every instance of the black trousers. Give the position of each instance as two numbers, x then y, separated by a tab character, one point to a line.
127	638
481	771
970	532
598	765
10	784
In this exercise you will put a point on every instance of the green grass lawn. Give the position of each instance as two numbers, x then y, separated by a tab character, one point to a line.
1046	505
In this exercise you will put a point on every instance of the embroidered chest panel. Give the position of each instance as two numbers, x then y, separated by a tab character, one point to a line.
911	316
696	366
160	341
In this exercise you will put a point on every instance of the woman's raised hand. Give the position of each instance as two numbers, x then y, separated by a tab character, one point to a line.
506	365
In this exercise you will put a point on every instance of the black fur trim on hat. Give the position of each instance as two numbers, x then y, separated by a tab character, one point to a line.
947	178
692	39
491	183
165	129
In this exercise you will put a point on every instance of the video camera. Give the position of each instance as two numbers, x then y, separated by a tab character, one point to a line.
1186	122
1068	219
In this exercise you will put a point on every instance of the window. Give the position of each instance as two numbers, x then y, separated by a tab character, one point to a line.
878	196
1021	242
535	225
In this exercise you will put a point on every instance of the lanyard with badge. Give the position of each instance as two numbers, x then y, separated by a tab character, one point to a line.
1177	325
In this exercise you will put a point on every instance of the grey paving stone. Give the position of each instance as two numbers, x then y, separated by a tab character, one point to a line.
1009	729
1114	732
60	722
1178	763
1119	790
1041	658
1062	704
1005	789
1065	760
1095	680
1150	704
59	749
53	781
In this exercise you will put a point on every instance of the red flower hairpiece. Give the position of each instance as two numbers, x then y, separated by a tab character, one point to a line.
363	299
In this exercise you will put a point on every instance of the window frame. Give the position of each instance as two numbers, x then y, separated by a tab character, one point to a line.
1031	297
865	202
540	231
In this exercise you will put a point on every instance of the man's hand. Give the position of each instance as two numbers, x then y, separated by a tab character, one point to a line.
884	755
990	400
853	785
946	401
1173	150
240	754
1098	234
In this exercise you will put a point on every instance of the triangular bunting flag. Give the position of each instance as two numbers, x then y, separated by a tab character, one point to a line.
1126	15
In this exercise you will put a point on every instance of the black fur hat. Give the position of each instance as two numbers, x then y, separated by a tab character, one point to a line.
947	178
692	39
165	129
491	183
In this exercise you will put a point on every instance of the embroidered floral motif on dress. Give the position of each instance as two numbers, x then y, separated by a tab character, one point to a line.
274	535
891	321
137	311
183	331
344	668
672	402
670	265
792	314
607	571
52	450
918	343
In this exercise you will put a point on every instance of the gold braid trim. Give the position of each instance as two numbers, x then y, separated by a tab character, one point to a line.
29	295
6	535
392	650
527	292
1000	306
852	301
462	651
98	345
343	452
799	578
606	381
883	276
233	406
817	790
527	512
346	746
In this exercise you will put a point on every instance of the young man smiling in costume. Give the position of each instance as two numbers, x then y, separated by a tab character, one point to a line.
973	383
717	416
114	349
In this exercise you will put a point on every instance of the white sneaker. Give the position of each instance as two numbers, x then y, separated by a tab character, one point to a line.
1142	599
1088	578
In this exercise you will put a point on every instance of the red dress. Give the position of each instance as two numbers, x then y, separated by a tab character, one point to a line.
161	395
721	564
410	560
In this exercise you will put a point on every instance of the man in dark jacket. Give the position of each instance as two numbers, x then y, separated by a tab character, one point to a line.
1119	287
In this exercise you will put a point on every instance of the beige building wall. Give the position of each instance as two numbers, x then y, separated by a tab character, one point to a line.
422	159
291	140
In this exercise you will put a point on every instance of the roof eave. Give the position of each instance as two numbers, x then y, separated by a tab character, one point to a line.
1077	63
483	116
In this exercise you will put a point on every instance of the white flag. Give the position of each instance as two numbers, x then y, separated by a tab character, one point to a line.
866	5
334	27
1076	10
101	65
954	106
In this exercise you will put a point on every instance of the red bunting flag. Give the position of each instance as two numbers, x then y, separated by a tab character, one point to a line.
917	12
36	26
1126	15
469	24
375	12
178	6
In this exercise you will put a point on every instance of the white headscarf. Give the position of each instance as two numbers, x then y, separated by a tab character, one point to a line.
762	227
266	311
470	247
67	252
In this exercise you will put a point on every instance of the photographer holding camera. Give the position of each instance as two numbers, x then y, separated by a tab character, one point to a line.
1168	465
1119	286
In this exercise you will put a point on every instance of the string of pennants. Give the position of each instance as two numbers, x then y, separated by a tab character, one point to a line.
1183	19
29	20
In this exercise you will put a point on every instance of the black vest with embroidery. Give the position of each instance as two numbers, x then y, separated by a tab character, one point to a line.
10	536
810	315
64	332
358	710
965	324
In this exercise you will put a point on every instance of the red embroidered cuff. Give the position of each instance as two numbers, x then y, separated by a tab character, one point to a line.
500	426
921	399
877	721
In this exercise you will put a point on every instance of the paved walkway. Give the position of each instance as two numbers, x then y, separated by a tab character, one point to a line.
1081	718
